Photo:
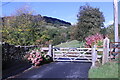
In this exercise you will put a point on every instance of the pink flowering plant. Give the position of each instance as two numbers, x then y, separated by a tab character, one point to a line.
94	39
35	57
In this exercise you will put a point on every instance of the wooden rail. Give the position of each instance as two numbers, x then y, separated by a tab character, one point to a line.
114	42
115	47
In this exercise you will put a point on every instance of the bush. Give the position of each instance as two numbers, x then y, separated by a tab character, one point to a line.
12	55
36	57
94	39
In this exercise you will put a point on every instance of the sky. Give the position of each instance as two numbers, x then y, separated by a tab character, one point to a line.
66	11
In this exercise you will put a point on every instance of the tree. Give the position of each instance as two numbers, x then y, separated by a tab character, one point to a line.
110	31
74	32
22	28
90	21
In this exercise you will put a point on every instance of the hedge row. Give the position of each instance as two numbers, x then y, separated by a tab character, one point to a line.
12	54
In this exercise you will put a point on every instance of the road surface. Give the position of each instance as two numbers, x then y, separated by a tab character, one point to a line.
58	70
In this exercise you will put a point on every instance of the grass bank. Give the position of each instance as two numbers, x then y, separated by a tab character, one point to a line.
108	70
73	43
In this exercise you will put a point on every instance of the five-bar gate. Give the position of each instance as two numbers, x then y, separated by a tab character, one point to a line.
72	54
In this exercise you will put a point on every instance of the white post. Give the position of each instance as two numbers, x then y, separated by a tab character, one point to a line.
50	50
53	54
116	20
105	50
94	55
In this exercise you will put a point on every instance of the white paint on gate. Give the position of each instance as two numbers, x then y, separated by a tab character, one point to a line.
75	54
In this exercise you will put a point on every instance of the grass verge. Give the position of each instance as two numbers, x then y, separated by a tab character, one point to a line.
108	70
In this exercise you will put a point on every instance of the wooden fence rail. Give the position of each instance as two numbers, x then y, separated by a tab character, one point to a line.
114	49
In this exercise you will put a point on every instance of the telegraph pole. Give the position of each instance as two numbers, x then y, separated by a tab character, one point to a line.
116	20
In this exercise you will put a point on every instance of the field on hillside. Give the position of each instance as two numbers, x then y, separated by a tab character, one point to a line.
70	44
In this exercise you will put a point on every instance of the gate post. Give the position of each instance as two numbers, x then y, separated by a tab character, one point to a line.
105	50
94	55
50	50
53	50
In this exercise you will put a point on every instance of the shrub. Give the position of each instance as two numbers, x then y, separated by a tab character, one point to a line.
94	39
35	57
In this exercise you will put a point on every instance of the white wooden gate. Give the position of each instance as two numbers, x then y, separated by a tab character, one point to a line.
72	54
80	54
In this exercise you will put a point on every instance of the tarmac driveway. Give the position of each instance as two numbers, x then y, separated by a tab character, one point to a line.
58	70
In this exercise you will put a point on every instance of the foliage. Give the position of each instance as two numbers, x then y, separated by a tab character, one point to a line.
103	31
20	28
90	21
110	70
12	55
26	29
74	33
110	31
94	39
